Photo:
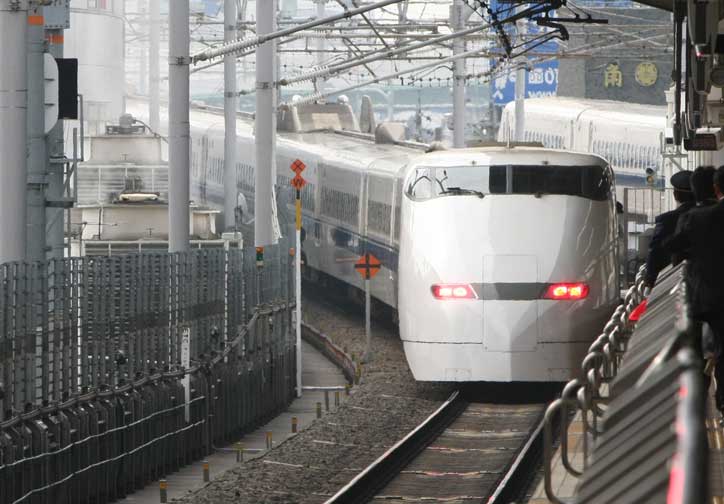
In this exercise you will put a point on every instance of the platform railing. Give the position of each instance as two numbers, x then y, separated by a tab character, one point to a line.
639	380
116	371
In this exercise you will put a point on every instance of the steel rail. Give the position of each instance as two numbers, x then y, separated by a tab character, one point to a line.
372	479
511	485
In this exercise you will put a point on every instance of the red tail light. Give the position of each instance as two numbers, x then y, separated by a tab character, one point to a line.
453	291
566	291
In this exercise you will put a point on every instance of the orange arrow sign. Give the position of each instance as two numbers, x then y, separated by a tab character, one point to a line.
298	166
298	182
368	266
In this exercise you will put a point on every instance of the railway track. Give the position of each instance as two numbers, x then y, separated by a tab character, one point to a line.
464	452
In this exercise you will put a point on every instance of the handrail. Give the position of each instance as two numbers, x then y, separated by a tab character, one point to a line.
568	396
651	356
692	435
548	419
600	367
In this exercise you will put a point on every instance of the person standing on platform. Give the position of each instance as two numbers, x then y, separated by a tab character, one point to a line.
702	185
700	240
659	255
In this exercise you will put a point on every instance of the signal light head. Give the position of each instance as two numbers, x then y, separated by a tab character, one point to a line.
453	291
566	291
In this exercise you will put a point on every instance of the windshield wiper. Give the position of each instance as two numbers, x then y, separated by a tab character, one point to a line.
460	190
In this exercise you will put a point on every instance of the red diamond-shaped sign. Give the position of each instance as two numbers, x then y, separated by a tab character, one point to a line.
368	266
298	182
298	166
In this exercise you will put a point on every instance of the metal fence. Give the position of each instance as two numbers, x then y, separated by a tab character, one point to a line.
641	207
641	403
95	398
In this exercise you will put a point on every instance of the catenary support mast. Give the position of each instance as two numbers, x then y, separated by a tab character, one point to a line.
321	43
230	106
13	130
37	158
55	217
521	75
179	130
265	122
154	66
458	24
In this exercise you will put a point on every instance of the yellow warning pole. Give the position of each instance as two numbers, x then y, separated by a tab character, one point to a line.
298	288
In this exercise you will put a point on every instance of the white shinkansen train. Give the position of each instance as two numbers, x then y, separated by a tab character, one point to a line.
501	262
628	135
507	263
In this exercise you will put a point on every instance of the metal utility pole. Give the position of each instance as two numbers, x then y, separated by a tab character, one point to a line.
143	44
321	43
55	217
179	146
368	323
298	288
230	106
458	24
37	154
154	66
13	120
265	125
520	78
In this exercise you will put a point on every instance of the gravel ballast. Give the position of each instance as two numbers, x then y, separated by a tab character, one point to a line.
317	462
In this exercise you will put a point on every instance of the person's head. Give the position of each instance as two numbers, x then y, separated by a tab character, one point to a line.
719	183
681	182
702	183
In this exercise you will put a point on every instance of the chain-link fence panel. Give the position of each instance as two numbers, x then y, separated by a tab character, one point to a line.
127	367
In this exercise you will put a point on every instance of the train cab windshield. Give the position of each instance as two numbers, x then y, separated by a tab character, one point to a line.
591	182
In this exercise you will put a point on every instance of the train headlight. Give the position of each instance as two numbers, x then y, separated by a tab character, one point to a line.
453	291
566	291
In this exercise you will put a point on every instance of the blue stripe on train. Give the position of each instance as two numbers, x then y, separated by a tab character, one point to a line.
354	242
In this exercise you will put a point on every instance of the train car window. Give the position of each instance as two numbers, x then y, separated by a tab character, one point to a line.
378	217
591	182
340	205
420	186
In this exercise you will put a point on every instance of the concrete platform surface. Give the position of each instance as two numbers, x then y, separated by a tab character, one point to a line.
563	483
317	371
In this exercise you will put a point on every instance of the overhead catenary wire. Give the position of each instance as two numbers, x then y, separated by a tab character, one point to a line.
244	44
319	96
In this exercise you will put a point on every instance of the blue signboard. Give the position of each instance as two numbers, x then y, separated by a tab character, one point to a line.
541	81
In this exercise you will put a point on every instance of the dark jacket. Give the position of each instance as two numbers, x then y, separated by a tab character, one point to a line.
699	238
659	254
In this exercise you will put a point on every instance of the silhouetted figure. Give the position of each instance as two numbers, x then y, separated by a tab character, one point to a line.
699	239
659	254
702	185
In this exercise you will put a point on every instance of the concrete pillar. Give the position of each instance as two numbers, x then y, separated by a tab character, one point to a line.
459	66
179	145
230	106
265	126
154	66
37	154
13	130
55	217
